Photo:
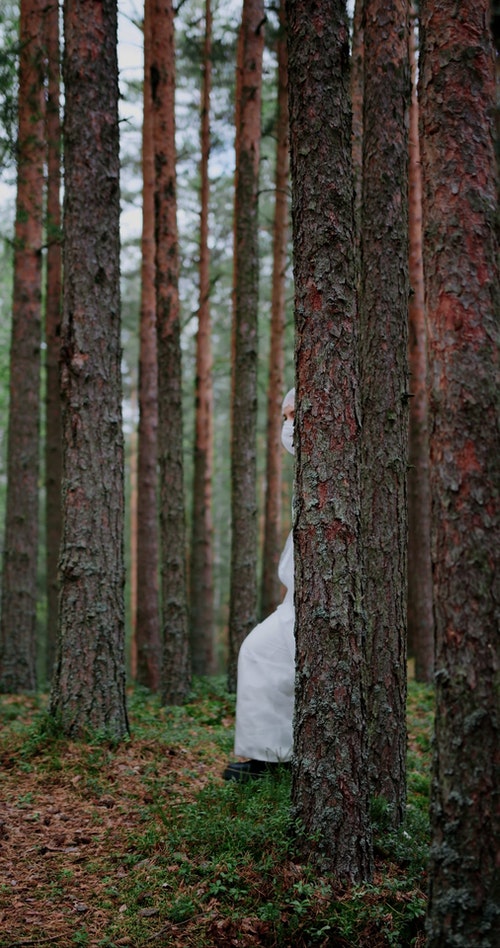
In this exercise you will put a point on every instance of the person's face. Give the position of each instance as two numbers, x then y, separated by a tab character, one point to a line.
289	412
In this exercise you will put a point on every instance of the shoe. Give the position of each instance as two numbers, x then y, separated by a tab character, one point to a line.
245	770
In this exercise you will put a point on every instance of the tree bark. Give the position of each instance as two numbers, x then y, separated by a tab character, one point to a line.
89	682
53	308
201	572
457	94
357	83
18	615
330	789
271	592
384	389
243	594
148	625
176	671
420	614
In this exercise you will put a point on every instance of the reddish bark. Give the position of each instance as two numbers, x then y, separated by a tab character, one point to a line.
53	307
201	572
243	596
420	614
271	592
330	789
147	621
89	682
18	615
176	673
384	389
457	93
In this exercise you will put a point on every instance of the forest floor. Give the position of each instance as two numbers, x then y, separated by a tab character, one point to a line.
143	844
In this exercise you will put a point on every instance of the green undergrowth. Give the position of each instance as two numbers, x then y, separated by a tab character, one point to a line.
207	863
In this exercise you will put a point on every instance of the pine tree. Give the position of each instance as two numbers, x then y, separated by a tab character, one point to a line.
243	594
457	93
18	614
201	571
176	671
147	624
330	786
273	541
384	389
420	614
53	306
89	683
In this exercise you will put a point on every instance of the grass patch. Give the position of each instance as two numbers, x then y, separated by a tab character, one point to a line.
143	844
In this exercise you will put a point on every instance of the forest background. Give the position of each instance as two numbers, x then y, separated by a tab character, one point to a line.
453	645
189	36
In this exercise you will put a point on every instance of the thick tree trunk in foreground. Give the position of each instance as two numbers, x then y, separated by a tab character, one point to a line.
243	596
176	671
420	613
384	389
89	681
53	307
271	592
457	93
201	572
18	618
330	786
357	83
147	626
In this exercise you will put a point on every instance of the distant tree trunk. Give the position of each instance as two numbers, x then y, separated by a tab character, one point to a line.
357	83
53	433
273	541
420	614
457	93
243	596
201	572
384	389
18	618
330	789
133	465
176	672
89	681
147	626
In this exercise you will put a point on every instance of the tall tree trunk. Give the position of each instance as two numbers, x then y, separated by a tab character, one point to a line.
384	389
148	625
133	474
330	789
420	614
457	93
89	681
18	618
176	672
53	432
201	572
243	595
273	540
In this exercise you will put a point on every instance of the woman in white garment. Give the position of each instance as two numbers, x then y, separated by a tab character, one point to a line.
266	670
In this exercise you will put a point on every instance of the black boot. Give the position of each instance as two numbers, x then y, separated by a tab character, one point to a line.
245	770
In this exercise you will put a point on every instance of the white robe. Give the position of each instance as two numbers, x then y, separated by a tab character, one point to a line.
266	679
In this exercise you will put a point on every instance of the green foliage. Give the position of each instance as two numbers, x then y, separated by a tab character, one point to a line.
9	52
